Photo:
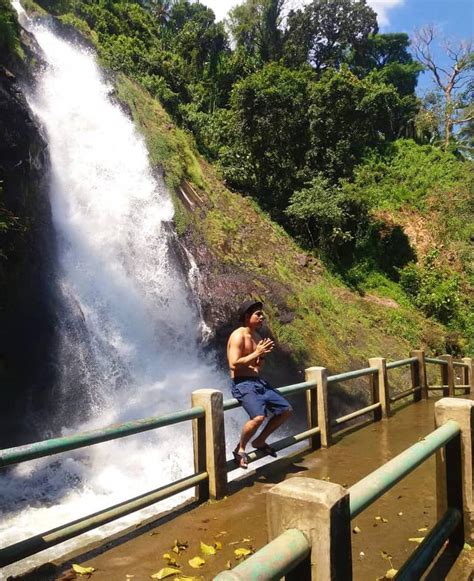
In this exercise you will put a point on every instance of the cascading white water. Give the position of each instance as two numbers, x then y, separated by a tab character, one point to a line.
132	338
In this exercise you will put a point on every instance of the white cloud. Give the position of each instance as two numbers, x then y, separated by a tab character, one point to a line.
220	7
382	7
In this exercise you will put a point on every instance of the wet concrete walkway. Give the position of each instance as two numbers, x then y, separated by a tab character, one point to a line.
240	519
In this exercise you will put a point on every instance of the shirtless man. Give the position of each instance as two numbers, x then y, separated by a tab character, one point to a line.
246	351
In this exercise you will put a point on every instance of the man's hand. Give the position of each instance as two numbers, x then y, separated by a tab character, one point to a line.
264	346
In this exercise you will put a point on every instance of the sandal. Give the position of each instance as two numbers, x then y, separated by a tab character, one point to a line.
241	459
267	450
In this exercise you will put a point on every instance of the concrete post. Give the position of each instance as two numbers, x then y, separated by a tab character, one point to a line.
454	475
209	442
312	409
418	375
320	376
380	364
468	375
321	511
447	376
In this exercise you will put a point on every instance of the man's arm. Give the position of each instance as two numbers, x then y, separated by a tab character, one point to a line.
236	347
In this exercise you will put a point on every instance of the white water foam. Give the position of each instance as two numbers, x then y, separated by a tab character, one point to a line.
132	337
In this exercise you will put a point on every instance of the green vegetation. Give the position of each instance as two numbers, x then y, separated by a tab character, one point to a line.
315	120
405	174
9	30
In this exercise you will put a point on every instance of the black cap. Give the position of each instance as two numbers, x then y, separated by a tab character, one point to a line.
247	307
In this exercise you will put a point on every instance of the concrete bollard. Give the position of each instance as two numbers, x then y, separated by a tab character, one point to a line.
209	443
418	375
320	510
318	403
380	363
454	477
447	376
468	375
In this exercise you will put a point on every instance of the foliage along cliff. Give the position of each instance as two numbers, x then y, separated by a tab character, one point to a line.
27	305
304	184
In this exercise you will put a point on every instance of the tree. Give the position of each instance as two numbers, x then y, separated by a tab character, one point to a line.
386	57
255	26
347	116
319	213
450	81
326	30
272	124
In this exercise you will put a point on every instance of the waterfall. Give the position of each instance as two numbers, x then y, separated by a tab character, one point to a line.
129	337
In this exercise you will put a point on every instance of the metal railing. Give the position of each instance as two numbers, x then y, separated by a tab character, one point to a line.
211	469
20	454
448	377
263	565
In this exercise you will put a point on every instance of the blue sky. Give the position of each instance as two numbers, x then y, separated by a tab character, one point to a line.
454	18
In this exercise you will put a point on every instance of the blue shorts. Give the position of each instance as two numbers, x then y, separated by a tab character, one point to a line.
258	397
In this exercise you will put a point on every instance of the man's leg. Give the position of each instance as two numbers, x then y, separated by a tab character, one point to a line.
272	425
249	429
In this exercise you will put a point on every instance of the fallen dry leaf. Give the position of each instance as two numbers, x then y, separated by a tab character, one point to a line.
242	552
83	570
196	562
165	572
207	549
356	530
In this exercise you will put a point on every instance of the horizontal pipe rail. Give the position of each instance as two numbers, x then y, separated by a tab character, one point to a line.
356	414
56	445
437	387
374	485
460	364
279	445
437	361
43	541
425	553
352	374
401	363
230	404
272	561
296	387
403	394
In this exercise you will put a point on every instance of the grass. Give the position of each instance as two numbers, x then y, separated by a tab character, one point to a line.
331	325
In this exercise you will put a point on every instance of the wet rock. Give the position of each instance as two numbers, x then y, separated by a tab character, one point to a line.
27	252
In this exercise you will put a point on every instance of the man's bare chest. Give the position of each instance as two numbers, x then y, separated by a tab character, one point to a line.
250	343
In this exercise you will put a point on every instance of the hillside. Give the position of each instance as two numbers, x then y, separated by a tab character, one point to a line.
392	270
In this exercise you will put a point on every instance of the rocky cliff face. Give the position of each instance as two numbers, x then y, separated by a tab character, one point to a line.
26	260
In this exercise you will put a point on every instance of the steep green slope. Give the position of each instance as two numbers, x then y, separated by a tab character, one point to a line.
311	311
315	316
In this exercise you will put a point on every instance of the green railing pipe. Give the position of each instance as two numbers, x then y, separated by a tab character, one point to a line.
279	445
401	362
57	445
230	404
352	374
367	490
296	387
425	553
272	561
433	360
43	541
403	394
460	364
